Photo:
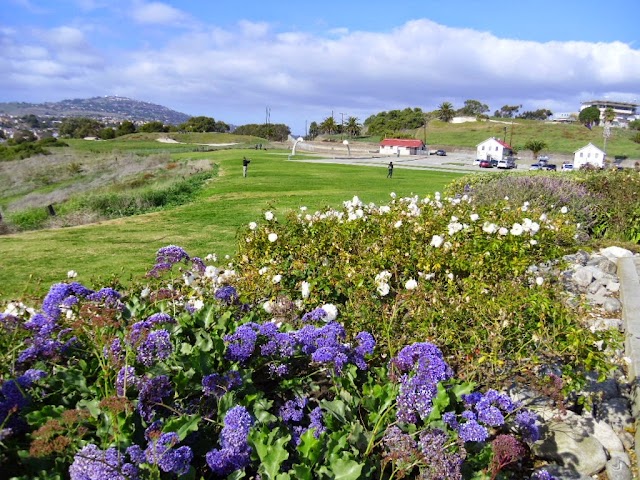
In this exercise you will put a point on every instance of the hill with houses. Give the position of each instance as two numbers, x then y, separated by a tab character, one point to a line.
106	108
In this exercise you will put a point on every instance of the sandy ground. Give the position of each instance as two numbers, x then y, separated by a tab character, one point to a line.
171	140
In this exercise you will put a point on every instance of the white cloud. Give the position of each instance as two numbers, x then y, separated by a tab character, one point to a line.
157	13
233	73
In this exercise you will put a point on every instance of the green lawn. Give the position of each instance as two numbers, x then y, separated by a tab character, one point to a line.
30	262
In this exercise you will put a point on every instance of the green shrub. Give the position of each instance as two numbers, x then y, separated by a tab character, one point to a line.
29	219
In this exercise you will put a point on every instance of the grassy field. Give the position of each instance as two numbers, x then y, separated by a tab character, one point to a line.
560	138
30	262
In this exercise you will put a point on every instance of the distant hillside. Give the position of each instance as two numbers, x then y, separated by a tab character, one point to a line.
119	108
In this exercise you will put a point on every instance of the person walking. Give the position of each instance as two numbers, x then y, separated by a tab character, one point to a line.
390	167
245	166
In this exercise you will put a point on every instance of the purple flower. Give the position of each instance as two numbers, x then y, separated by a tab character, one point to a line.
542	475
241	344
315	315
159	317
293	410
156	347
106	295
438	461
136	454
126	379
166	257
152	393
235	452
472	431
422	367
226	294
526	424
91	463
217	385
161	452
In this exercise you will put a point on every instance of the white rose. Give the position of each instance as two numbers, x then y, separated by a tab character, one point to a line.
253	225
411	284
436	241
273	237
268	215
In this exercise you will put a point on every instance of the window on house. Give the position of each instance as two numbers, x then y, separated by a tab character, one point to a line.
581	154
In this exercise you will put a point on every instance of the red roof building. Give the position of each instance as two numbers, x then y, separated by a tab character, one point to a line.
402	146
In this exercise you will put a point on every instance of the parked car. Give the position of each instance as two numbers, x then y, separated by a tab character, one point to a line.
441	153
485	164
494	162
535	166
550	166
543	158
567	167
506	163
476	162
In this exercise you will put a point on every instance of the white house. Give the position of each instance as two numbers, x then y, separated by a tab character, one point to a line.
402	146
492	148
588	154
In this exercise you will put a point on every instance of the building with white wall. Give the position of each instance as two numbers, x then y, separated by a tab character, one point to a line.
493	148
402	146
589	154
625	112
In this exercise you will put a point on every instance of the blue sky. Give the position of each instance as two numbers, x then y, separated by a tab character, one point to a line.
305	61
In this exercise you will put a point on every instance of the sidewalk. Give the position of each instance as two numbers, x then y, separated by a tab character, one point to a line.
629	275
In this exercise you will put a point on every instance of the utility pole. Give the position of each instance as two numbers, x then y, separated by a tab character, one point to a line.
341	125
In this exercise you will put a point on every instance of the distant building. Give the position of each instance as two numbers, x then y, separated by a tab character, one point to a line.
402	146
493	148
625	112
589	154
564	117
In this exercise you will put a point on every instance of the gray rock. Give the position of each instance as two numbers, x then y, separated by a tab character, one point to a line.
617	469
601	324
582	257
583	276
606	389
569	446
614	253
615	411
612	305
607	266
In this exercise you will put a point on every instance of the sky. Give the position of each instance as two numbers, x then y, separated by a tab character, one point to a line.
288	62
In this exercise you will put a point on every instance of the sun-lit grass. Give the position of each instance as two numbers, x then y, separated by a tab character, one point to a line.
30	262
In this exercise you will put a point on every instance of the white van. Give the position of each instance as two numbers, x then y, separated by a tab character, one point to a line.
506	163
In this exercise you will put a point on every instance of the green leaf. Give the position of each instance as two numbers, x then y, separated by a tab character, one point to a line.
303	472
345	469
337	407
310	448
271	450
183	425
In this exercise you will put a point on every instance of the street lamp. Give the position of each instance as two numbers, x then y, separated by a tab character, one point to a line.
298	140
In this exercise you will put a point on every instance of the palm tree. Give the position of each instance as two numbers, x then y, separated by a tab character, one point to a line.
353	127
536	146
445	112
609	114
328	125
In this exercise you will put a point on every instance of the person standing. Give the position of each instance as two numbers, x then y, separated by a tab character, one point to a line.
245	166
390	167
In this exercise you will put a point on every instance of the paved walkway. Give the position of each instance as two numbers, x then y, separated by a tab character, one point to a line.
629	275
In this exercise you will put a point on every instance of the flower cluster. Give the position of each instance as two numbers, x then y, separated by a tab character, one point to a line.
324	344
151	345
421	367
168	256
217	385
152	392
235	452
91	463
292	414
13	398
160	452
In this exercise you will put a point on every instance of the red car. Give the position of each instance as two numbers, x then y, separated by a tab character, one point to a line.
485	164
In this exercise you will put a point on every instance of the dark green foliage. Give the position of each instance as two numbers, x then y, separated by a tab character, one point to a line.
473	108
445	112
204	124
125	128
272	131
79	127
590	116
635	125
540	114
155	126
23	150
395	121
107	133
